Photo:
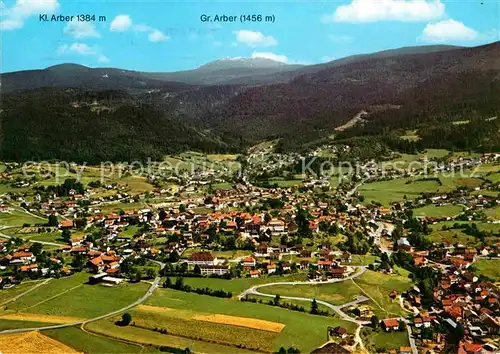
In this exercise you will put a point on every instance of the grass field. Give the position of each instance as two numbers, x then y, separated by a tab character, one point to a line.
335	293
240	332
378	286
6	295
482	226
301	330
489	268
70	297
13	324
493	213
238	285
376	340
438	211
452	236
90	343
144	336
219	254
19	218
387	192
366	259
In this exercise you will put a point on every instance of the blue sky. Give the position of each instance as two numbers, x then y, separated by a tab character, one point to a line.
170	36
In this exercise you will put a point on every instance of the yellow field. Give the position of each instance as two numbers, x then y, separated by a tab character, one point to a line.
242	322
216	318
31	342
33	317
156	309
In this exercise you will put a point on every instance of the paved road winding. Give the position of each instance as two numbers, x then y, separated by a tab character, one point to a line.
150	291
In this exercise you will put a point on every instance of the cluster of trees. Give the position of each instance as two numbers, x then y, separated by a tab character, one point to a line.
42	124
179	285
291	350
288	305
62	190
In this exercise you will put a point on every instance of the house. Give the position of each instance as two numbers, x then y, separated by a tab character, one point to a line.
254	273
214	269
338	272
23	257
29	268
202	258
65	224
340	332
470	348
249	262
95	264
390	324
403	245
346	257
405	350
324	264
271	268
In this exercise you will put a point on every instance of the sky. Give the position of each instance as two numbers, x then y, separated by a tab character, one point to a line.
168	35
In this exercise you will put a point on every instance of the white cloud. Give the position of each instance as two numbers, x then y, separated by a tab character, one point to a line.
218	43
103	59
11	24
448	30
359	11
22	9
123	23
157	36
79	29
255	39
272	56
120	23
83	50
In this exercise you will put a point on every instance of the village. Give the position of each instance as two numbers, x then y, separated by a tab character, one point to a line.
268	234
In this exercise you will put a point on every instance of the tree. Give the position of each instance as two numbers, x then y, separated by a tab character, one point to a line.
197	269
182	208
173	257
126	319
53	220
162	214
167	283
374	320
179	283
150	273
277	300
36	248
66	235
314	307
78	261
138	276
402	325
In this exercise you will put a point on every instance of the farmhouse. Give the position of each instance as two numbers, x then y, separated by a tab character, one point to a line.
249	262
390	324
214	269
202	258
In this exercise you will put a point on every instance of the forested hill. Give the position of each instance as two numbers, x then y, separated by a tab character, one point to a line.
425	90
312	105
78	125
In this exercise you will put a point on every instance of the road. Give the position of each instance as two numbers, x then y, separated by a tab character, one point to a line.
150	291
252	289
337	309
